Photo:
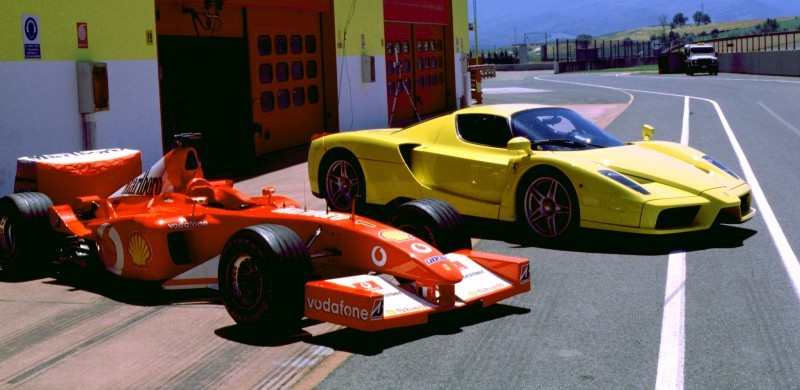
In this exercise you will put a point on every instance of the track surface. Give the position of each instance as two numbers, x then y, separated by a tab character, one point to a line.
709	310
596	315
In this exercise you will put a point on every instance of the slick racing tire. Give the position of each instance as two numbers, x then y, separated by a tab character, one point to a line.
342	181
435	222
262	274
547	204
26	239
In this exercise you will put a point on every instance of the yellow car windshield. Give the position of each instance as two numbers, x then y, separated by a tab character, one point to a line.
560	129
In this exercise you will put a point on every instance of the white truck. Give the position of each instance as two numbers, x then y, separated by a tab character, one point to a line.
700	58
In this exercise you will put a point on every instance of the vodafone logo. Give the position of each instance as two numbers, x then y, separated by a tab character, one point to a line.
367	285
83	35
343	309
379	256
421	248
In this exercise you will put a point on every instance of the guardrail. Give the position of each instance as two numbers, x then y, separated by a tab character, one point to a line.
477	74
779	41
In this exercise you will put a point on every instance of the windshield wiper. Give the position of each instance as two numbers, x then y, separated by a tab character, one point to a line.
561	142
565	142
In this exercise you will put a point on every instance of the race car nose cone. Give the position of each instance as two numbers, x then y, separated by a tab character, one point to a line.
446	271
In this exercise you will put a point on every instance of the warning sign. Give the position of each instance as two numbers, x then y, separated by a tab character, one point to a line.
83	36
30	37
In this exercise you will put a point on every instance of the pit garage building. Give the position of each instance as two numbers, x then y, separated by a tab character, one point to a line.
255	77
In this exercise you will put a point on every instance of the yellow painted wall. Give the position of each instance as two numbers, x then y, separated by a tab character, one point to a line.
461	25
117	29
366	19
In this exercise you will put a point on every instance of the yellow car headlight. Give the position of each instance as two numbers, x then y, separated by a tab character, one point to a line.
719	165
619	178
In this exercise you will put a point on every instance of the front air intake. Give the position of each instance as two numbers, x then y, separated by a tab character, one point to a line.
676	217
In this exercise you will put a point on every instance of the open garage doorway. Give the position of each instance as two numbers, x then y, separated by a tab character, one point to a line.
205	89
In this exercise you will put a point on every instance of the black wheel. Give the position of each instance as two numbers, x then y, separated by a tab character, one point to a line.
262	274
342	181
435	222
26	239
547	204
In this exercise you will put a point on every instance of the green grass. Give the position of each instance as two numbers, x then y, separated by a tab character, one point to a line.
736	28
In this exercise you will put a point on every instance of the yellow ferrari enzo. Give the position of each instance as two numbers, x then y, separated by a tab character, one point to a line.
548	168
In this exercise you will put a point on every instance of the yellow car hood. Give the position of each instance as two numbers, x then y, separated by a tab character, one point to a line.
645	165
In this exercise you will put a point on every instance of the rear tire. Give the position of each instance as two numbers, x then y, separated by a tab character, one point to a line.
435	222
263	270
26	238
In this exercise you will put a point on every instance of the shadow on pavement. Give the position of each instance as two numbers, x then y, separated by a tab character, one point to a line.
601	241
373	343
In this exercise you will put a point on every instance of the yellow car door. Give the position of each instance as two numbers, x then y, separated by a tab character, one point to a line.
467	166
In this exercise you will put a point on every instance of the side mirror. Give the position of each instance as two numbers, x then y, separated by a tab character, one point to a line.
647	132
520	143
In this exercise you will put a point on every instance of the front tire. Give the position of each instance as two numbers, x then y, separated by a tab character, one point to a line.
342	180
262	274
435	222
548	205
26	239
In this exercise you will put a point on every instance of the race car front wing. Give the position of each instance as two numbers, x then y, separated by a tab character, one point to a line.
372	303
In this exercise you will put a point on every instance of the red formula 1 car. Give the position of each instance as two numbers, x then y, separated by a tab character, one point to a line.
272	260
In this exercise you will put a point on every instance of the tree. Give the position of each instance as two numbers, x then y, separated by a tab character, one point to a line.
770	25
679	20
663	21
701	17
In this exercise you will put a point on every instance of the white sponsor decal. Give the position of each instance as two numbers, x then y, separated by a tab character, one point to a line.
421	248
82	156
187	224
379	256
338	308
477	281
395	300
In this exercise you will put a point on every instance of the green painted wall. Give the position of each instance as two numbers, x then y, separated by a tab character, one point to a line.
367	19
117	29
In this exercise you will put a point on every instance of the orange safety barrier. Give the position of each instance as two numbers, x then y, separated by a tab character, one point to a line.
477	74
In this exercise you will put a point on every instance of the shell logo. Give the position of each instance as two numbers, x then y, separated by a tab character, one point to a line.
394	235
140	250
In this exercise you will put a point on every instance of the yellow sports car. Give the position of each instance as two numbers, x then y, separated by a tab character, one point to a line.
547	168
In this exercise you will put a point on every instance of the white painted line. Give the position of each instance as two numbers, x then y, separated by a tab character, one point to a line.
508	90
788	256
784	121
685	129
785	250
673	339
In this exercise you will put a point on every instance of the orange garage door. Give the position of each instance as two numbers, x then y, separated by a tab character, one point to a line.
414	57
431	91
286	73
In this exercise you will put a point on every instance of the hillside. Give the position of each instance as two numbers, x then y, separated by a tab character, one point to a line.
740	26
502	24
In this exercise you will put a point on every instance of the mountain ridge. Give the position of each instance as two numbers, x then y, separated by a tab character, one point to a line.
530	20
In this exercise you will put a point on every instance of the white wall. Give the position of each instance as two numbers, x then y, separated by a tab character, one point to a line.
39	112
373	111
